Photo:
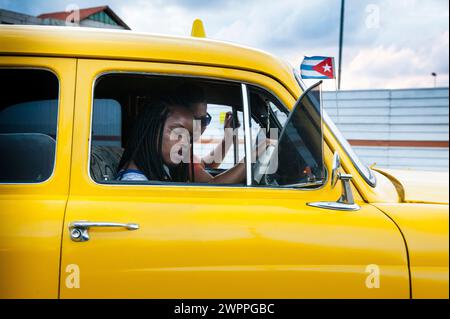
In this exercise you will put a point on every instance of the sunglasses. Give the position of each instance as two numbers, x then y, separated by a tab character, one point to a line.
204	120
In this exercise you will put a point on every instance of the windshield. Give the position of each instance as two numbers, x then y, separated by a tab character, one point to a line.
363	170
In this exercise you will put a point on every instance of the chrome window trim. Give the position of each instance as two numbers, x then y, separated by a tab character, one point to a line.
248	135
50	178
121	72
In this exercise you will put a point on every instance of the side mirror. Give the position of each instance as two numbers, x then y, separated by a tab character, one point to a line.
335	167
346	202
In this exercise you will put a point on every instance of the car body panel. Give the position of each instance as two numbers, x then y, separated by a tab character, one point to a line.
420	186
127	45
201	243
425	228
220	242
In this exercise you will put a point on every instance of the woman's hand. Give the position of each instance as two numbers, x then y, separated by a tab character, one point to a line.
228	123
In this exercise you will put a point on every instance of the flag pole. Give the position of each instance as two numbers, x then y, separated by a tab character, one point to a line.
341	42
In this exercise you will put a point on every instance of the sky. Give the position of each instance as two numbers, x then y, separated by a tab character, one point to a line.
388	44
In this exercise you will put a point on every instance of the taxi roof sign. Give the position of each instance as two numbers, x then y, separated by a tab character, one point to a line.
198	29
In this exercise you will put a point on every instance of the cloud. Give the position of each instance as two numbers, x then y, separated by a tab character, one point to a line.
199	4
399	67
388	43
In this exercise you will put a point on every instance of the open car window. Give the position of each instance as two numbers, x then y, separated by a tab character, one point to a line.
122	100
286	148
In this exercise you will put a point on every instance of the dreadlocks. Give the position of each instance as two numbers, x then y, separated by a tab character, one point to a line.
145	143
191	94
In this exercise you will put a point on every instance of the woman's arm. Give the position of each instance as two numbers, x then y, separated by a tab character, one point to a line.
235	175
211	160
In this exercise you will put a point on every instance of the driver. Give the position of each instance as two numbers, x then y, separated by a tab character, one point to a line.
193	96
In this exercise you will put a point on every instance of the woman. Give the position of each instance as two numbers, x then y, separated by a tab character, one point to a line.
151	153
194	97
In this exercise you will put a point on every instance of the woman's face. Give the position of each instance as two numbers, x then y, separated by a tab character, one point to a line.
177	133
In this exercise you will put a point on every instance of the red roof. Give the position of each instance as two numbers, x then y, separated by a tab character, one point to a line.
84	13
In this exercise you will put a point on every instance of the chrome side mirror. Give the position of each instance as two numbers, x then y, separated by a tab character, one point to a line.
346	202
335	167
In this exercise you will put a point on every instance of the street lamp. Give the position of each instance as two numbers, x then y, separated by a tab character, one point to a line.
434	75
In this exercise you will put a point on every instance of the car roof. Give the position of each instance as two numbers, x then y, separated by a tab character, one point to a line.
83	42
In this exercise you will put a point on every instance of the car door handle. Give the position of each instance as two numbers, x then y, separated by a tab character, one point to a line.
79	230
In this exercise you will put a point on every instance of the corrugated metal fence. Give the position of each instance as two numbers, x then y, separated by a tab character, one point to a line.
407	129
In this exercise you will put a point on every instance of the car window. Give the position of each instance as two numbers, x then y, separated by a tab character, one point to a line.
135	117
295	155
28	125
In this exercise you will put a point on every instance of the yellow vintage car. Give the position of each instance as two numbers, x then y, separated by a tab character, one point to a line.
319	225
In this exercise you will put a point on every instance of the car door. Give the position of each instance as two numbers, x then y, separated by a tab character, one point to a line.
198	241
36	113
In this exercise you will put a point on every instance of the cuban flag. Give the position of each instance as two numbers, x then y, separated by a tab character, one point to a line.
318	67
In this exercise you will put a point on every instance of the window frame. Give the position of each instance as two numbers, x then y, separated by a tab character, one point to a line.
245	87
58	113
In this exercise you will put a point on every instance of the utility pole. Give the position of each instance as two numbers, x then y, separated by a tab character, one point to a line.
341	42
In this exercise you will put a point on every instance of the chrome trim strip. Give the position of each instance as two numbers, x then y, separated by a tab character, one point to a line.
248	135
335	206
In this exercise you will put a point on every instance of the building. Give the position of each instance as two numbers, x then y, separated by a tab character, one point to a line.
97	17
400	129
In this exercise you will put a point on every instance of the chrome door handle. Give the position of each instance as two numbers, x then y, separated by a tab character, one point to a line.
79	230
